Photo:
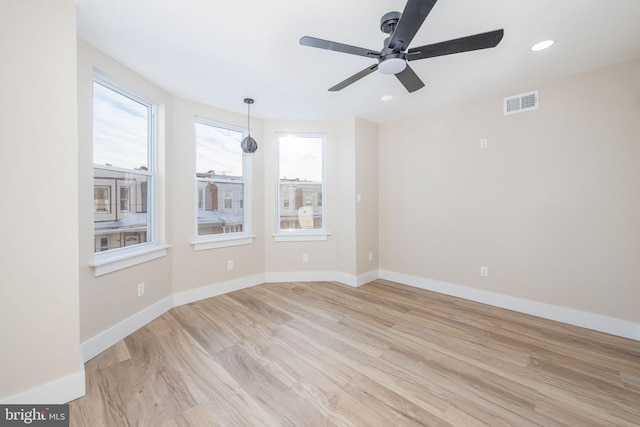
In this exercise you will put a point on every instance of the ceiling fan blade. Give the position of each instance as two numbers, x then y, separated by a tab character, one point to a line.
463	44
338	47
354	78
410	79
413	15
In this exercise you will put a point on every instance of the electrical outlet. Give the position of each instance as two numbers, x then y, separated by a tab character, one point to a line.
483	143
484	271
370	256
140	289
230	264
305	257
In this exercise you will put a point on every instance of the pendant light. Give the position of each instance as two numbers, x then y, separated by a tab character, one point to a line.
249	145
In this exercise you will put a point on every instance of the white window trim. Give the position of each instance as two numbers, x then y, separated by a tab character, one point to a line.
118	259
301	235
215	241
124	257
296	236
203	243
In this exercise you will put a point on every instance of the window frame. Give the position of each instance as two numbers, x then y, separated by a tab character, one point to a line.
118	258
246	236
300	234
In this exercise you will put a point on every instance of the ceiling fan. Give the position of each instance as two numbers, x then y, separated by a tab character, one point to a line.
393	57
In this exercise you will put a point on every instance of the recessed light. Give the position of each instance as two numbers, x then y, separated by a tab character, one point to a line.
386	97
542	45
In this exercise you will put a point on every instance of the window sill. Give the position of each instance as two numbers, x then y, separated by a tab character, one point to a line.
301	237
108	263
203	243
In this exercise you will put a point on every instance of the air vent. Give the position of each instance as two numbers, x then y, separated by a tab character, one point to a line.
521	103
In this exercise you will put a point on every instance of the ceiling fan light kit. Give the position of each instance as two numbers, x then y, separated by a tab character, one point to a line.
395	53
392	64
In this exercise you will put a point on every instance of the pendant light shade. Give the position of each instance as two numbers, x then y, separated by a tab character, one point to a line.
249	145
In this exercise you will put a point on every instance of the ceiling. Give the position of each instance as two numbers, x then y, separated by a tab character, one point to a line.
220	52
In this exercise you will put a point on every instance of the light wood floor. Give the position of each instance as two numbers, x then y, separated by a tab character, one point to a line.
324	354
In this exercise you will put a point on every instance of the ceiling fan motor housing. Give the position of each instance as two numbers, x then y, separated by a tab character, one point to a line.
389	21
391	60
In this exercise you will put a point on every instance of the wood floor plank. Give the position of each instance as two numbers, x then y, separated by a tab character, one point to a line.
237	410
424	394
459	418
383	354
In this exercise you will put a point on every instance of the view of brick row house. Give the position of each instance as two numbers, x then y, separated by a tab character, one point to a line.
121	216
120	208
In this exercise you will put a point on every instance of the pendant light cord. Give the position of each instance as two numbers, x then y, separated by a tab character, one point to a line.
249	117
248	101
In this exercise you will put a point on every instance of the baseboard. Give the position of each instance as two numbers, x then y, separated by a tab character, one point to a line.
57	392
596	322
322	276
216	289
301	276
99	343
370	276
346	279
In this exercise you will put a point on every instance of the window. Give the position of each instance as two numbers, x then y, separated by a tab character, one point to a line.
201	198
222	172
102	244
228	199
101	199
300	184
124	199
123	147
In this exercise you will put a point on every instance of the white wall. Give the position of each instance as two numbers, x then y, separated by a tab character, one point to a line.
366	184
39	216
357	219
552	207
109	299
282	258
345	224
194	269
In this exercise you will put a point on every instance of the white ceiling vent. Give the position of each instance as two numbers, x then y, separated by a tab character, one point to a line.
520	103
